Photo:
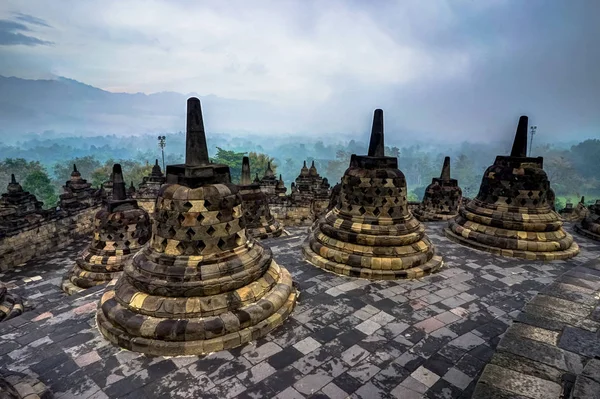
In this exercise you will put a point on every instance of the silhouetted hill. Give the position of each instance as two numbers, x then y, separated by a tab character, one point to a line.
71	107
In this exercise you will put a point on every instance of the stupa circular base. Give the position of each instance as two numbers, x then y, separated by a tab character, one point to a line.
78	279
572	251
432	217
433	265
138	331
273	230
589	234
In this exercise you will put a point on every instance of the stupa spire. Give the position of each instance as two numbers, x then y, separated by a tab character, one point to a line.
196	151
519	148
13	180
582	200
245	180
75	168
376	145
446	169
119	192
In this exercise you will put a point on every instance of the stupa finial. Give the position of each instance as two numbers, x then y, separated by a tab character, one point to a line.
519	148
13	179
376	145
196	151
582	200
75	168
446	169
119	193
245	180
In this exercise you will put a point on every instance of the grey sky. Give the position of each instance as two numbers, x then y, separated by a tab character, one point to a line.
455	69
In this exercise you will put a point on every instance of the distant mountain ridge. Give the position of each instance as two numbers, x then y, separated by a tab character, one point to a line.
72	107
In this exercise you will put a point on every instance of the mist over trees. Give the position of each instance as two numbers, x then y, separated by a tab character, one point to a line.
42	166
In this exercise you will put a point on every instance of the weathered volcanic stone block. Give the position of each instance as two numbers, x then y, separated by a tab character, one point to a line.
201	285
121	228
512	214
442	197
370	233
11	305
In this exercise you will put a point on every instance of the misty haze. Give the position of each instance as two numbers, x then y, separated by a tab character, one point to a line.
174	174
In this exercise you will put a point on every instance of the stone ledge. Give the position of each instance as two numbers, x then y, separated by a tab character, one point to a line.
554	341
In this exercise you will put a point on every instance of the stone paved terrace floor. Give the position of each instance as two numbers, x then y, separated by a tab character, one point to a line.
347	337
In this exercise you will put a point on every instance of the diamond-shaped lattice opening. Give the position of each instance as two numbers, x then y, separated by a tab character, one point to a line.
180	218
200	218
396	200
219	215
377	191
508	201
121	236
228	227
222	244
390	192
109	236
210	230
376	211
171	232
390	212
536	201
181	247
100	244
523	202
127	243
187	206
530	194
200	245
207	203
190	233
362	210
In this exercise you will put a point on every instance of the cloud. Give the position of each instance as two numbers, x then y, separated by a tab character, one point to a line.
448	69
10	35
31	19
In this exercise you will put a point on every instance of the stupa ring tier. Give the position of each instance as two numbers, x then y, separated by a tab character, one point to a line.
201	284
121	229
512	214
370	233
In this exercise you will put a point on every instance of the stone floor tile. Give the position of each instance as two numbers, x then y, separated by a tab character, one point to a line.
307	345
368	327
467	341
447	317
425	376
457	378
334	392
313	382
289	393
401	392
354	355
414	385
429	325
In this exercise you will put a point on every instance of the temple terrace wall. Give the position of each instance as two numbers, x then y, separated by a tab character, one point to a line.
50	234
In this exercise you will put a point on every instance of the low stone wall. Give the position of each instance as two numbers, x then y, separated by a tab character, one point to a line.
56	232
552	350
292	215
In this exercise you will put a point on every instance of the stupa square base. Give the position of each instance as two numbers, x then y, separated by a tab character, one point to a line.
569	253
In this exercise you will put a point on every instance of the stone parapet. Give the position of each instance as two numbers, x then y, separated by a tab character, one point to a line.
56	231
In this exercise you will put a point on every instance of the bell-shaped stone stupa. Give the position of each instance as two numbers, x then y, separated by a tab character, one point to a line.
590	225
512	214
201	285
442	197
11	305
259	221
121	228
370	233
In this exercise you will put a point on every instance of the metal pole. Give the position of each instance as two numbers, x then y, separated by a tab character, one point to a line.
161	144
532	129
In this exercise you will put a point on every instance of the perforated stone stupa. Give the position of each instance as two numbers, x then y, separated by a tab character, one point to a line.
18	207
78	193
576	213
590	225
121	228
442	197
370	233
151	184
201	285
512	214
259	221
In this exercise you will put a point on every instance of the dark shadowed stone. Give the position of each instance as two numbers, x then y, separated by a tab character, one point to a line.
580	341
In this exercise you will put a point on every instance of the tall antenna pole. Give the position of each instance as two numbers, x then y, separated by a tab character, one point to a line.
161	144
532	129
